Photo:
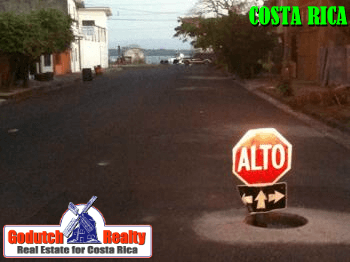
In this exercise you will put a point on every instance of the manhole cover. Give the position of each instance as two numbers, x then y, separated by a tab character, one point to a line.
275	220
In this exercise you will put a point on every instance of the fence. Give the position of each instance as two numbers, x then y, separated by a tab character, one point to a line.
94	33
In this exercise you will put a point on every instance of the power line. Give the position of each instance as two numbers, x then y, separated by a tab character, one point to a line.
142	4
134	14
153	4
143	20
145	11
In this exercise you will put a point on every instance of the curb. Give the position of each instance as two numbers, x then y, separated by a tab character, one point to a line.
332	133
48	86
45	87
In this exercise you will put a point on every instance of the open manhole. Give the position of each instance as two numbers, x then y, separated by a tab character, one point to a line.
275	220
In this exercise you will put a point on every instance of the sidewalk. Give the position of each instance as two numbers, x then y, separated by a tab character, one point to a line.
328	108
39	87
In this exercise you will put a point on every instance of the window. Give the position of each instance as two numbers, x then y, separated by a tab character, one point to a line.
88	22
47	60
88	30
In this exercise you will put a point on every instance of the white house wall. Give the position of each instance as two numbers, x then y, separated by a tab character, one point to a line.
44	69
75	57
72	10
91	54
94	50
75	52
99	17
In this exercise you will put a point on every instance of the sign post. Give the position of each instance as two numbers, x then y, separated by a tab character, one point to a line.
260	159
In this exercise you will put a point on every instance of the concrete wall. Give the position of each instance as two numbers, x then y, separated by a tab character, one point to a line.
45	69
75	65
94	48
99	16
94	51
92	55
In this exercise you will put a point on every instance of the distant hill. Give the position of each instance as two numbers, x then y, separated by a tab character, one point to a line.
166	52
157	52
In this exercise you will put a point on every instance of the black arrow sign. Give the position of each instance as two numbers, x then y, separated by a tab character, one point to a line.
264	198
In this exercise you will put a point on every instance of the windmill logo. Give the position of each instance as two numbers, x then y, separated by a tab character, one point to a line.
81	229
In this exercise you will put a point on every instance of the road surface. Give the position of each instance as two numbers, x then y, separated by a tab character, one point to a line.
155	147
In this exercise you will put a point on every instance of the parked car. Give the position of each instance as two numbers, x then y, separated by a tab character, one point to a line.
197	61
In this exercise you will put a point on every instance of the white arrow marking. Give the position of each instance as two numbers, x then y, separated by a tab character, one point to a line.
14	130
247	199
103	163
275	197
261	200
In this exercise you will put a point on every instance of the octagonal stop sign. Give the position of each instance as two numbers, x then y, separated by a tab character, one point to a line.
261	157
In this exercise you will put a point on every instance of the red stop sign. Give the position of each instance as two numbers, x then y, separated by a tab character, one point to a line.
261	157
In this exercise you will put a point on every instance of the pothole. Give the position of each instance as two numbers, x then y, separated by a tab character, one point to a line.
228	226
275	220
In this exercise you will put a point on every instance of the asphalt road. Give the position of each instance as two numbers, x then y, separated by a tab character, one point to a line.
155	147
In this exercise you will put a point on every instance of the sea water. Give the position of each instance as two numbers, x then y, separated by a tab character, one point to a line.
149	59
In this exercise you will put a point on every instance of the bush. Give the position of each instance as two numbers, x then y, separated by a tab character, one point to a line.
285	87
233	39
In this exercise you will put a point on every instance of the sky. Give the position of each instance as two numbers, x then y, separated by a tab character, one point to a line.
147	23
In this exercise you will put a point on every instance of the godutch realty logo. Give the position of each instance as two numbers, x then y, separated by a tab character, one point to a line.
82	233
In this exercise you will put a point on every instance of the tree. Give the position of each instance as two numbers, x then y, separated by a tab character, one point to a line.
222	7
80	4
236	42
24	37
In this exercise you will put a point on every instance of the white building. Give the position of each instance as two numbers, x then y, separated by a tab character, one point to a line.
94	44
135	55
90	47
75	58
68	61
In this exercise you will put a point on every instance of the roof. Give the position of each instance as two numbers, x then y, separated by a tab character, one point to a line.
107	10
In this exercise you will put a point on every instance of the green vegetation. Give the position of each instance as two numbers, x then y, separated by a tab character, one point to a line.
234	40
284	86
26	36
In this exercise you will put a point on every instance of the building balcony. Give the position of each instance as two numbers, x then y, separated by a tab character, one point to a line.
94	33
